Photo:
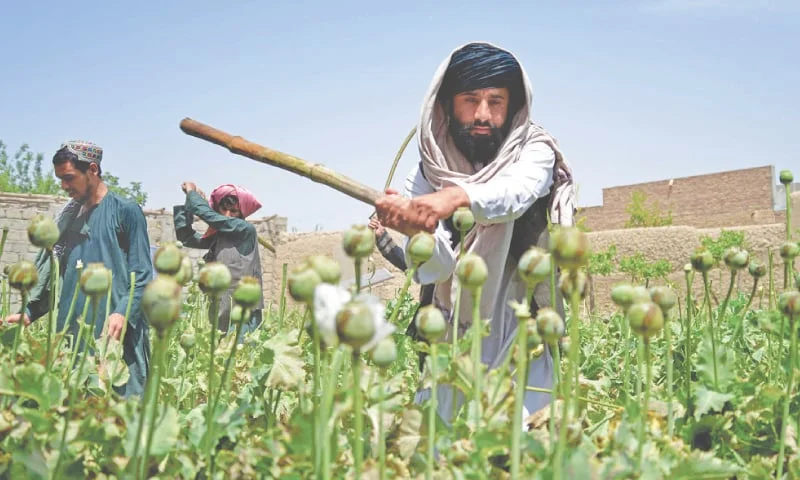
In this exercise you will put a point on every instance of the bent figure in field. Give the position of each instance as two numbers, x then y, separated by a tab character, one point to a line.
98	226
479	149
230	239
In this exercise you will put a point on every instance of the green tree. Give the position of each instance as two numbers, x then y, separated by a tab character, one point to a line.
640	269
725	240
642	215
23	173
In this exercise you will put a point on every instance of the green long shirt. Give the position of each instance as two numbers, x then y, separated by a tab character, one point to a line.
235	244
113	233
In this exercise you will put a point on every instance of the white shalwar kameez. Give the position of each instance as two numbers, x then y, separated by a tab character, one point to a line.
503	199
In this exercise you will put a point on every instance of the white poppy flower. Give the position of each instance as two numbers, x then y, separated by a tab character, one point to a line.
330	299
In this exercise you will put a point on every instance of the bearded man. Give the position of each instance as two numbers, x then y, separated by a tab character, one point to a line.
480	150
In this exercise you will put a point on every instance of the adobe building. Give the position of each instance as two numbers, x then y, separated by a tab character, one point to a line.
751	196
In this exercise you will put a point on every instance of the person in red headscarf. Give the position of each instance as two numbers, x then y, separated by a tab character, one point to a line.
230	239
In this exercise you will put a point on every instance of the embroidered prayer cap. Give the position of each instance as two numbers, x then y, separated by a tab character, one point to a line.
86	152
481	65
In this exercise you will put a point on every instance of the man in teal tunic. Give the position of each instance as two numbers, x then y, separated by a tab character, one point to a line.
98	226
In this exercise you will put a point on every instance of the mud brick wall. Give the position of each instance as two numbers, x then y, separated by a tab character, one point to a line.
16	210
737	197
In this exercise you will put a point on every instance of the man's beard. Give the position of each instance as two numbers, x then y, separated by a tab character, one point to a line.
479	149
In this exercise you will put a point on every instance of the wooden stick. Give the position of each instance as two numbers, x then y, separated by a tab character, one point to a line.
314	171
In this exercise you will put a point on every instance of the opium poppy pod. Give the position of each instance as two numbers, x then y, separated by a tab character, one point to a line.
354	324
736	258
43	231
570	247
22	275
384	353
463	219
248	292
302	280
167	259
550	324
328	269
420	247
430	323
645	318
214	279
702	260
358	241
534	266
472	271
789	303
757	270
664	297
95	280
162	303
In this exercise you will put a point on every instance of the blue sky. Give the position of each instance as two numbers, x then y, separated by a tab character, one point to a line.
634	90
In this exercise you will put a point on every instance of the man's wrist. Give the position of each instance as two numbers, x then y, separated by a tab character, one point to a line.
458	196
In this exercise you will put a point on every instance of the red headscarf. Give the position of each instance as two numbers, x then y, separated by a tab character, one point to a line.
248	204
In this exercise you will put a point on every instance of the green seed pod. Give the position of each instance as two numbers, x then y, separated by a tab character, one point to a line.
736	258
641	294
645	319
664	297
463	219
167	259
384	353
22	275
757	270
358	241
534	266
570	247
789	303
702	260
789	251
550	325
354	324
430	323
302	280
622	295
162	303
575	281
420	247
188	339
786	177
248	292
471	271
186	272
237	314
328	269
687	268
533	336
214	279
95	280
43	231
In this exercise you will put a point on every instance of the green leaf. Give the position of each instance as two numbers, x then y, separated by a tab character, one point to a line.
703	465
708	400
287	365
725	366
408	436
